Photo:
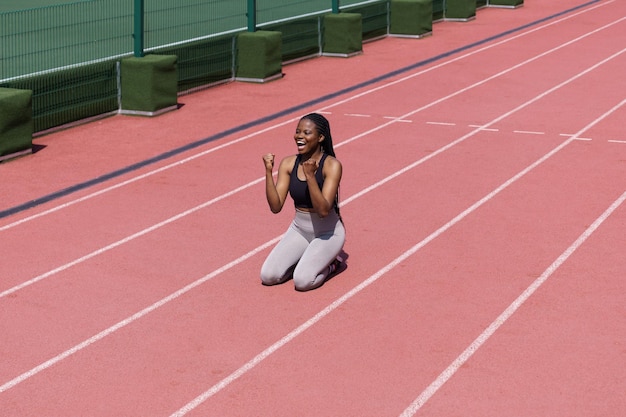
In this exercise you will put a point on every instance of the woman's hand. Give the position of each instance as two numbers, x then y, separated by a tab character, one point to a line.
309	167
268	160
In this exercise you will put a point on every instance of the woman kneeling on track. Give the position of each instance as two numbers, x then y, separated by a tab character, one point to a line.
309	250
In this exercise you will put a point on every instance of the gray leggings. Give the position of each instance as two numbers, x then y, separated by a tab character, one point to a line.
310	244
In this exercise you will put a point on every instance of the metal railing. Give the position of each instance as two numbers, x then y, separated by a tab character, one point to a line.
68	54
54	37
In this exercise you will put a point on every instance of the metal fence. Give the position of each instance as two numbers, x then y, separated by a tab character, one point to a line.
37	40
59	36
68	53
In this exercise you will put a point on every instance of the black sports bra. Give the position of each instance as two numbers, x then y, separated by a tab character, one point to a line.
298	189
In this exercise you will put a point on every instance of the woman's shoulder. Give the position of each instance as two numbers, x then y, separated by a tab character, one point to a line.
332	162
288	162
332	166
291	159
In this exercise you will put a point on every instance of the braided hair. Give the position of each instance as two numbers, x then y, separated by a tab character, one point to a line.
323	127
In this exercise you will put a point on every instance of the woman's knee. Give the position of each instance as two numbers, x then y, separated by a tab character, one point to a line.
271	275
306	281
269	278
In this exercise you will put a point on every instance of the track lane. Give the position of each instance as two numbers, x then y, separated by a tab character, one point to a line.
277	229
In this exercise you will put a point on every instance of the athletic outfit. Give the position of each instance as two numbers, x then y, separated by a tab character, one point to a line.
311	242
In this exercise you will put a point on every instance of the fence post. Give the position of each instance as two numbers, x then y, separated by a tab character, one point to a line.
139	28
335	6
251	15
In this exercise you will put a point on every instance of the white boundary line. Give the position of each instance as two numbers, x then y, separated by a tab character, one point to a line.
372	90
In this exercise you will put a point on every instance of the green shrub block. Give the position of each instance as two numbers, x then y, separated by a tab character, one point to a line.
343	34
259	56
16	122
149	84
506	3
411	17
460	9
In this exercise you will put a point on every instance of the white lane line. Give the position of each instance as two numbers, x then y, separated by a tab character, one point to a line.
484	129
570	135
528	132
441	123
357	115
483	337
398	119
616	141
506	314
324	110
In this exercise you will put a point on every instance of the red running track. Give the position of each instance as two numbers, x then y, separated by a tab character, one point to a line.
483	194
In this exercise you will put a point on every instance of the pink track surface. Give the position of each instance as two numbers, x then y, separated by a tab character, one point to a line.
483	195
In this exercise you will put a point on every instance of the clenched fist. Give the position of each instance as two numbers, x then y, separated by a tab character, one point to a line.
309	167
268	159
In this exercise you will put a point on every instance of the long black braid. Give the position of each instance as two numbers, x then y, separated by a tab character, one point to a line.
323	127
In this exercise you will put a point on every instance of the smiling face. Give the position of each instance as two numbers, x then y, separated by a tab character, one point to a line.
307	137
